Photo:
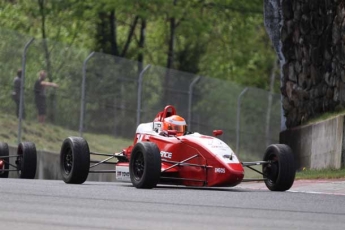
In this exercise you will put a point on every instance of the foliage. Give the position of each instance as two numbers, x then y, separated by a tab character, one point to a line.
221	38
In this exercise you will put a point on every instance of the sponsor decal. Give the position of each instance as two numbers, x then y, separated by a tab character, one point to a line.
217	147
142	137
122	173
125	174
216	144
219	170
166	154
139	137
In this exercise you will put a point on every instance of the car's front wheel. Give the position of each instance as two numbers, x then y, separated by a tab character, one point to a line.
279	173
74	160
145	165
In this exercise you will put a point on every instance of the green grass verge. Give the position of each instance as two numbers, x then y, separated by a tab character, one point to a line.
50	137
321	174
306	174
325	116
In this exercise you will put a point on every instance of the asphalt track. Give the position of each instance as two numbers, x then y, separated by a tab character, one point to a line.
48	204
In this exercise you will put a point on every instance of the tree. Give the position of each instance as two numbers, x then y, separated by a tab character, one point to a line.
221	38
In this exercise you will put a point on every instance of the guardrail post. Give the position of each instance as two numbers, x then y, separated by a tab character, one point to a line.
21	96
190	99
238	119
82	106
140	82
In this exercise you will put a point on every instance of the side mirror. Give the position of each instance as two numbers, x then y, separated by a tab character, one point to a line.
217	132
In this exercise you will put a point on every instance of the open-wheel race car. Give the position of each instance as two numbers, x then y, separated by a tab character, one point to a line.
25	162
164	152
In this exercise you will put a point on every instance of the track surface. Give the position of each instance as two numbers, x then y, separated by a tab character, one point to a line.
44	204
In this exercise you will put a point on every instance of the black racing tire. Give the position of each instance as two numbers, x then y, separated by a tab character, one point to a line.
74	160
145	165
280	173
26	160
4	153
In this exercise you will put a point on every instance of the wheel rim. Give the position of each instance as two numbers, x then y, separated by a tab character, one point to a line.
2	167
68	161
19	163
138	166
271	169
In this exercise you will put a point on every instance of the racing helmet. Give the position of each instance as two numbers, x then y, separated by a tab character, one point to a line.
175	122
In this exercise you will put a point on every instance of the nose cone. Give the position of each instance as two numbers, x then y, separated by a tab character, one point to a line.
227	175
236	174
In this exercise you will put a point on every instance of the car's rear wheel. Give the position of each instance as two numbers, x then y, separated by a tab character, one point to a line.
74	160
26	160
145	165
280	171
4	152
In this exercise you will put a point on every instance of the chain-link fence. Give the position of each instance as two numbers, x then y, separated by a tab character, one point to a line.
100	93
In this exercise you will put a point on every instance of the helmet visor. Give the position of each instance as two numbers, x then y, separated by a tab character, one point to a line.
178	128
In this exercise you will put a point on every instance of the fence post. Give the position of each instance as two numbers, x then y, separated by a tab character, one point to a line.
190	92
21	96
140	81
269	106
82	106
238	119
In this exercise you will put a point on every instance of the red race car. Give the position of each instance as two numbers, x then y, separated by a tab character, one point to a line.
25	160
164	152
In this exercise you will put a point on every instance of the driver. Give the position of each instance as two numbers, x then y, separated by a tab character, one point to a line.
175	122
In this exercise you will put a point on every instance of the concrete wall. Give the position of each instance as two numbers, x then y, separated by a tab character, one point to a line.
318	145
48	167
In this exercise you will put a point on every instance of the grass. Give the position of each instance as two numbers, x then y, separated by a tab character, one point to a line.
306	174
250	174
325	116
49	137
321	174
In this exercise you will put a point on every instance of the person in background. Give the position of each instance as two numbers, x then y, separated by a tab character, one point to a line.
40	95
17	82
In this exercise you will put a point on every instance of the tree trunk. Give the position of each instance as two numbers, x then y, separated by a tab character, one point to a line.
41	4
130	36
170	58
141	45
113	34
51	98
